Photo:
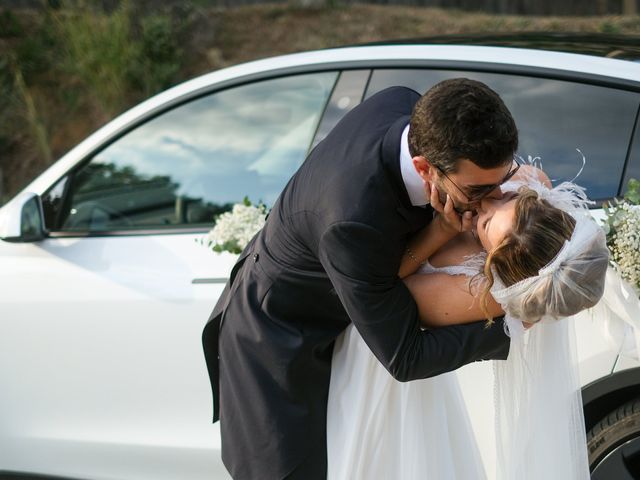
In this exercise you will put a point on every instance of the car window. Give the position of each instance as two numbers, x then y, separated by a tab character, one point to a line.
554	118
346	95
633	166
193	162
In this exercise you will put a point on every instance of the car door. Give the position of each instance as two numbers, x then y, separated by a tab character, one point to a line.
632	171
101	361
559	121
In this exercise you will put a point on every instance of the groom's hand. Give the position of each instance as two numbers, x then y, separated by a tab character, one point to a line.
450	220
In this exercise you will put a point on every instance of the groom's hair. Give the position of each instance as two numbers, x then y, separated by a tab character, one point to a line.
462	119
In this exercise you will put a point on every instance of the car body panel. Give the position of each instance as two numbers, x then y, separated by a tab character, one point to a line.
115	378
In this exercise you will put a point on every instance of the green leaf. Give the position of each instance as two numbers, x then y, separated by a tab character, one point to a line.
632	195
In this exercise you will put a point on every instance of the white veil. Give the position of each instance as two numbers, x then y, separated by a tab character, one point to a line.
540	432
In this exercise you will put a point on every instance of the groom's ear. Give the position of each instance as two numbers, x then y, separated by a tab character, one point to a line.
422	166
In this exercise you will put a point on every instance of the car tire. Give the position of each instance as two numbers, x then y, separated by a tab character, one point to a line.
614	443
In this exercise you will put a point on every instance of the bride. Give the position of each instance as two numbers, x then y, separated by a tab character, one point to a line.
535	256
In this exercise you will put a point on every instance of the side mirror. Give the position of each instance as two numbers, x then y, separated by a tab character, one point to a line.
22	219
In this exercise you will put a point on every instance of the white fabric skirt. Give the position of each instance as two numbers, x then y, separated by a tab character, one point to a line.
379	428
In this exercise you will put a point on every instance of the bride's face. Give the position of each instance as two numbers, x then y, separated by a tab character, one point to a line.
495	219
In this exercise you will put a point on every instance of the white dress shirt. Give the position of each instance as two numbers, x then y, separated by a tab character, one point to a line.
412	180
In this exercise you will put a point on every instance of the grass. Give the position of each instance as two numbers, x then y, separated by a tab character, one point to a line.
75	68
97	50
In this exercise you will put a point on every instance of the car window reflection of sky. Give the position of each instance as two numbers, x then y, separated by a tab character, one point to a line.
243	141
553	117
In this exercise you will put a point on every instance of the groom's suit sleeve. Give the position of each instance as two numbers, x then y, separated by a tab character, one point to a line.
360	263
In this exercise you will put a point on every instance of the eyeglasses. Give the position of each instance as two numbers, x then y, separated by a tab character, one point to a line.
481	191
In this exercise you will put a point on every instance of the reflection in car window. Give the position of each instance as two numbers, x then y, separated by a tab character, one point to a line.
554	118
195	161
347	94
52	206
633	167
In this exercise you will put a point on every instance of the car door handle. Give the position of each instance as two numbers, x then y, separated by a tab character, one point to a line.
209	280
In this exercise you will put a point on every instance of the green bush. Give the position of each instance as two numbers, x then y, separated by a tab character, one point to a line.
158	56
35	50
99	52
9	25
119	60
609	27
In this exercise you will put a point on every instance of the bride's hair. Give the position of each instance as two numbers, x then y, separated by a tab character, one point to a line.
539	232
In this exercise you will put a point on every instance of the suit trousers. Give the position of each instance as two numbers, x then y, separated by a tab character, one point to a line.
314	467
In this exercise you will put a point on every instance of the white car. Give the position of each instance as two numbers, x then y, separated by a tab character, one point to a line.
105	288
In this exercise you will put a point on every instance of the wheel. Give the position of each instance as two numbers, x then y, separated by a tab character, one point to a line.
614	444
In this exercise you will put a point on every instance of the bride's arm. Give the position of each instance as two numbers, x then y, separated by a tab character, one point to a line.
422	245
444	226
445	299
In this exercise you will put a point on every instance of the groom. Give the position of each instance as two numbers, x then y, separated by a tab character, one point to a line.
329	255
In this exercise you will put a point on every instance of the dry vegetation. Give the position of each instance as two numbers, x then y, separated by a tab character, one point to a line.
254	32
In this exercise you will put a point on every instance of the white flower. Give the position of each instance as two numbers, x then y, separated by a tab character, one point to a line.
233	230
623	239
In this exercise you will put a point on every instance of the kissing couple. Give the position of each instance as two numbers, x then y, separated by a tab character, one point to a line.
408	244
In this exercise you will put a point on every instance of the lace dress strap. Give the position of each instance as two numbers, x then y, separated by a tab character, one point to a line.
470	267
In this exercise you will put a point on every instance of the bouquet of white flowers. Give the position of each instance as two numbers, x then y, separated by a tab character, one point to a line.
233	230
622	226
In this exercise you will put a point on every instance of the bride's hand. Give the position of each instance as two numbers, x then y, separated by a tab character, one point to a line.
450	220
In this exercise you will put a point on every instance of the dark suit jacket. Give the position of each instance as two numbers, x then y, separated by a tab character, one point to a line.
328	256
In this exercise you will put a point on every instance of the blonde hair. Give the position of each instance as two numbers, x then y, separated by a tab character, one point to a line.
539	232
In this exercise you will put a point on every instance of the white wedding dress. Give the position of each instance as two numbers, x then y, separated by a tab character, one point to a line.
379	428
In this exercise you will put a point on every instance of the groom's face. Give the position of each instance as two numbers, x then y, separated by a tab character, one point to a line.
469	184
